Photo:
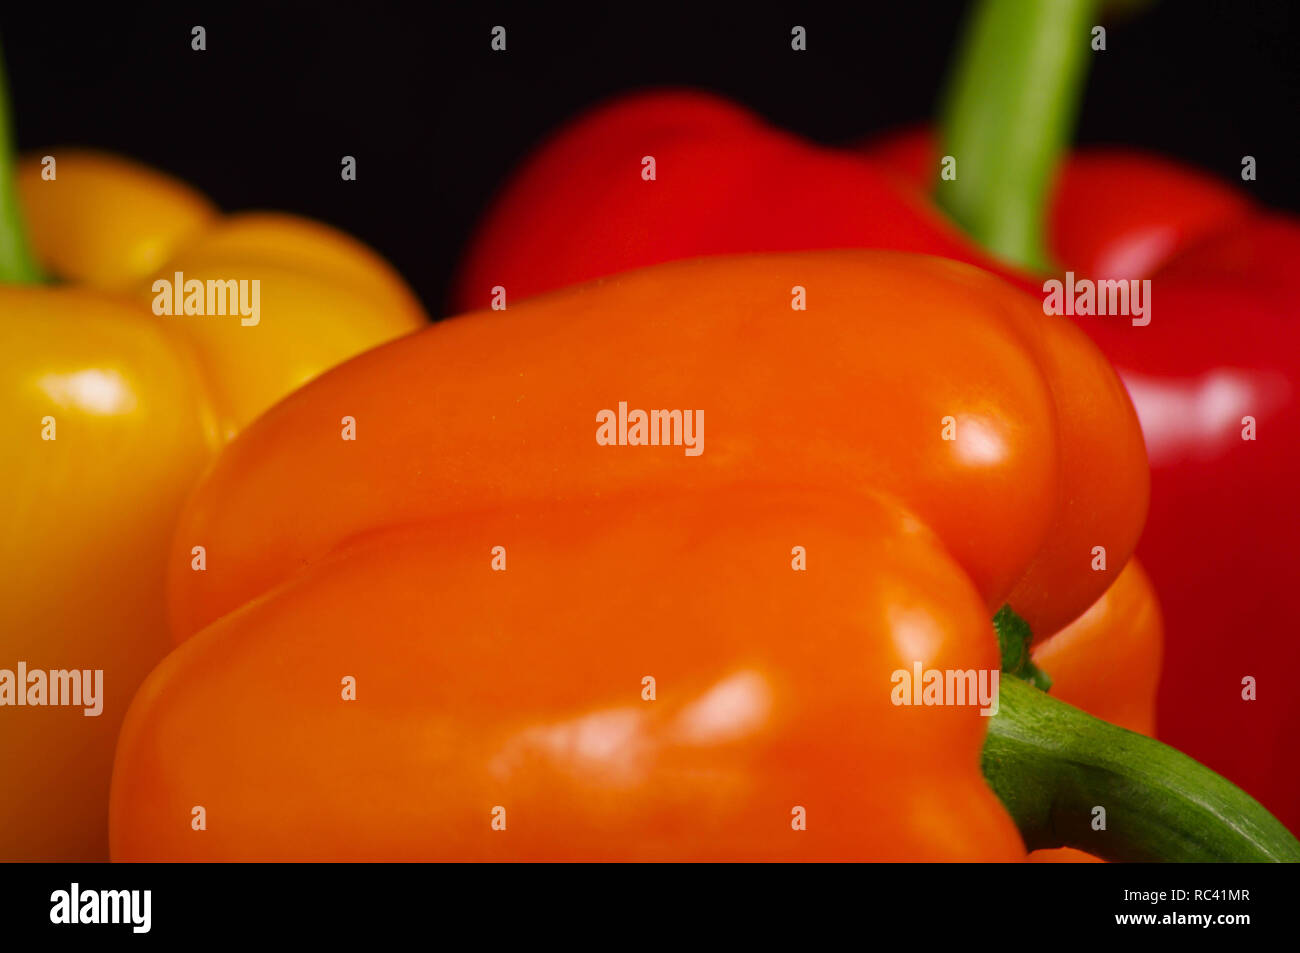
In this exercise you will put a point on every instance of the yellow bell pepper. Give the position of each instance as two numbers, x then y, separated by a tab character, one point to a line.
111	411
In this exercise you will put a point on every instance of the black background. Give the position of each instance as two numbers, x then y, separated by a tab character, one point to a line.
326	906
436	119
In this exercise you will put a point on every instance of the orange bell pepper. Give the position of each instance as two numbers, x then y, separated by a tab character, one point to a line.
494	411
475	630
112	411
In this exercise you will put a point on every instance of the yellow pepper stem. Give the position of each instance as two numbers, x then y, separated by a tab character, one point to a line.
17	264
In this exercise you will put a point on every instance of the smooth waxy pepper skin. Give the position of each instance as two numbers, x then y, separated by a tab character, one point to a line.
111	413
358	677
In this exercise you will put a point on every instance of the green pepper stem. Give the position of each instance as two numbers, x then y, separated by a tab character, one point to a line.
17	264
1007	116
1053	765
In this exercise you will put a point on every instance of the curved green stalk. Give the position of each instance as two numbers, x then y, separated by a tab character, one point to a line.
1053	766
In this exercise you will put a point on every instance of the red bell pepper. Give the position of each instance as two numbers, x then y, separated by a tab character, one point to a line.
1222	344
